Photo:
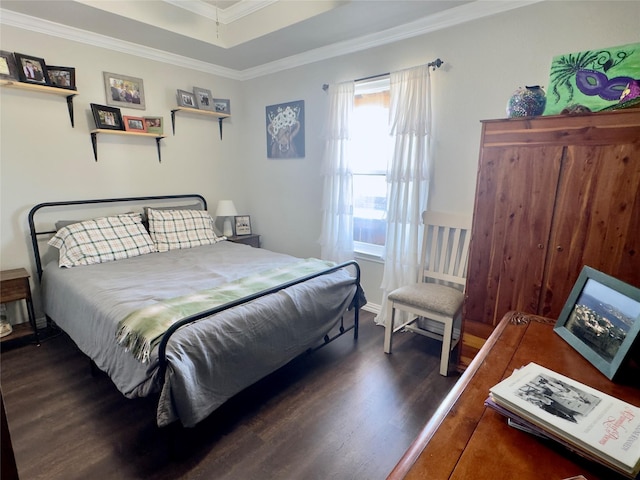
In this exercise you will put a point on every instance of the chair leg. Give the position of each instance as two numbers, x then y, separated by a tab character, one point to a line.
388	328
447	338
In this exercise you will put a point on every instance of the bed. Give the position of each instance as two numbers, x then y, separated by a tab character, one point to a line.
220	315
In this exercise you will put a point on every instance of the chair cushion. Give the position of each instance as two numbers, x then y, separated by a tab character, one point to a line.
429	296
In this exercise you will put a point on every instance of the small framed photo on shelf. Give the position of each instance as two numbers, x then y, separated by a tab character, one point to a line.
204	99
62	77
601	319
186	99
243	225
124	91
31	69
8	68
154	125
134	124
222	105
108	118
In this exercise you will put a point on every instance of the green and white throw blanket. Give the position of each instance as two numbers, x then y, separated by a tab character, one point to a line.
142	329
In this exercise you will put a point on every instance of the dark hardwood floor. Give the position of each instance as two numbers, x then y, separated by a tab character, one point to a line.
347	411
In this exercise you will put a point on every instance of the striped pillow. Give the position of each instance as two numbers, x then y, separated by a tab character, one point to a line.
102	240
175	229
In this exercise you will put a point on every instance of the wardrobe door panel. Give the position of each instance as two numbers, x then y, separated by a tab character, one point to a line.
515	198
596	220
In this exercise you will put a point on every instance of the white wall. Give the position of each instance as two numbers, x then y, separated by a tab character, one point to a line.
485	61
42	158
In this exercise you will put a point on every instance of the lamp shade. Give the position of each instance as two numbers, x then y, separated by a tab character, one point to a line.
226	208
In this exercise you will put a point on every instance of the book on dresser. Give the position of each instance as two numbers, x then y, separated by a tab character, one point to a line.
583	419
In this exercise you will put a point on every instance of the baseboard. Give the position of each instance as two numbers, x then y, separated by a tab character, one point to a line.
372	307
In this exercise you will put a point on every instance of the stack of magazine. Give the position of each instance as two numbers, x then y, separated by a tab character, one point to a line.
589	422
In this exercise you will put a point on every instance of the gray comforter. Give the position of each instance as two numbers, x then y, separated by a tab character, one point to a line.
212	359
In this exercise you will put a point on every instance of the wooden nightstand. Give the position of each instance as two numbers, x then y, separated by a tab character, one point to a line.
251	240
14	286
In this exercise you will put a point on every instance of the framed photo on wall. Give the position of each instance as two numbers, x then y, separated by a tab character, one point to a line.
154	125
8	68
222	105
243	225
124	91
62	77
204	99
31	69
134	124
186	99
601	319
108	118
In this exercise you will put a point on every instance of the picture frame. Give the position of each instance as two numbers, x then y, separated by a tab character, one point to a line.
108	118
124	91
204	99
186	99
154	125
31	69
285	130
222	105
242	225
601	319
134	124
62	77
8	67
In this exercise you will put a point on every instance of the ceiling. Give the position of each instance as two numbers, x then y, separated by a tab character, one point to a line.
244	38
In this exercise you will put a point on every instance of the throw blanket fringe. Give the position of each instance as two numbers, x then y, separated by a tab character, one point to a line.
140	331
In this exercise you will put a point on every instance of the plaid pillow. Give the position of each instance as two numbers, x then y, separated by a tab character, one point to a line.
102	240
174	229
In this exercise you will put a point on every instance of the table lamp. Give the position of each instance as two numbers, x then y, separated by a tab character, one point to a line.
226	209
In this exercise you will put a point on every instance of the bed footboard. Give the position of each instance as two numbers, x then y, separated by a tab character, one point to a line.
356	303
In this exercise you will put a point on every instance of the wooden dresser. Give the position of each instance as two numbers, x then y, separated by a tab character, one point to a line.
465	440
552	194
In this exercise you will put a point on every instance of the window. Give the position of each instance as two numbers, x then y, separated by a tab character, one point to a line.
371	148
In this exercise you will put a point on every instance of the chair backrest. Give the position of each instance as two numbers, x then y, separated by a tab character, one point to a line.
445	247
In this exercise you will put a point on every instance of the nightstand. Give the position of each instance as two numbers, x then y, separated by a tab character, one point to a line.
14	286
251	240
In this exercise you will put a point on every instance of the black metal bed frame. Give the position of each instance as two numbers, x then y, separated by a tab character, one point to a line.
355	304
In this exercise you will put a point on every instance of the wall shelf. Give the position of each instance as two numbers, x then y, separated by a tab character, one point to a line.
219	116
94	139
32	87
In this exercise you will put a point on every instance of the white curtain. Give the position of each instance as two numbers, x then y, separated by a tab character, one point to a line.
407	177
336	238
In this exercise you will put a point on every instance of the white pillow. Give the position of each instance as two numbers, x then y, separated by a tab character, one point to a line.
102	240
174	229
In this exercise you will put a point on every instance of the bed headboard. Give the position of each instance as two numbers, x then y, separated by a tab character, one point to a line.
61	207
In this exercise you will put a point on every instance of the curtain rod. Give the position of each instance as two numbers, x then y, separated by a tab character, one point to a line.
437	63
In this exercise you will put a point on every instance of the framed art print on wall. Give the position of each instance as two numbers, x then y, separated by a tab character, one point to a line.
124	91
285	130
601	319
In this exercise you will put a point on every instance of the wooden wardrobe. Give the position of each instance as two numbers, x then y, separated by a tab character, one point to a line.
553	194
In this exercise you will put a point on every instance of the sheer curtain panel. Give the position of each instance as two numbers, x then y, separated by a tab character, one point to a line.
336	238
407	177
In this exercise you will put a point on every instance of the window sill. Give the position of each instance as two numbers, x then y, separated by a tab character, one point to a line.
359	255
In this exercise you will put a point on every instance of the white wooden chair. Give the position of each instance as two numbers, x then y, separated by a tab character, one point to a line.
434	303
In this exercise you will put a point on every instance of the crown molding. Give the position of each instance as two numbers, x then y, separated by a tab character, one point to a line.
222	15
26	22
448	18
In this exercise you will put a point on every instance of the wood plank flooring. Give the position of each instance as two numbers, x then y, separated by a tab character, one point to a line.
347	411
